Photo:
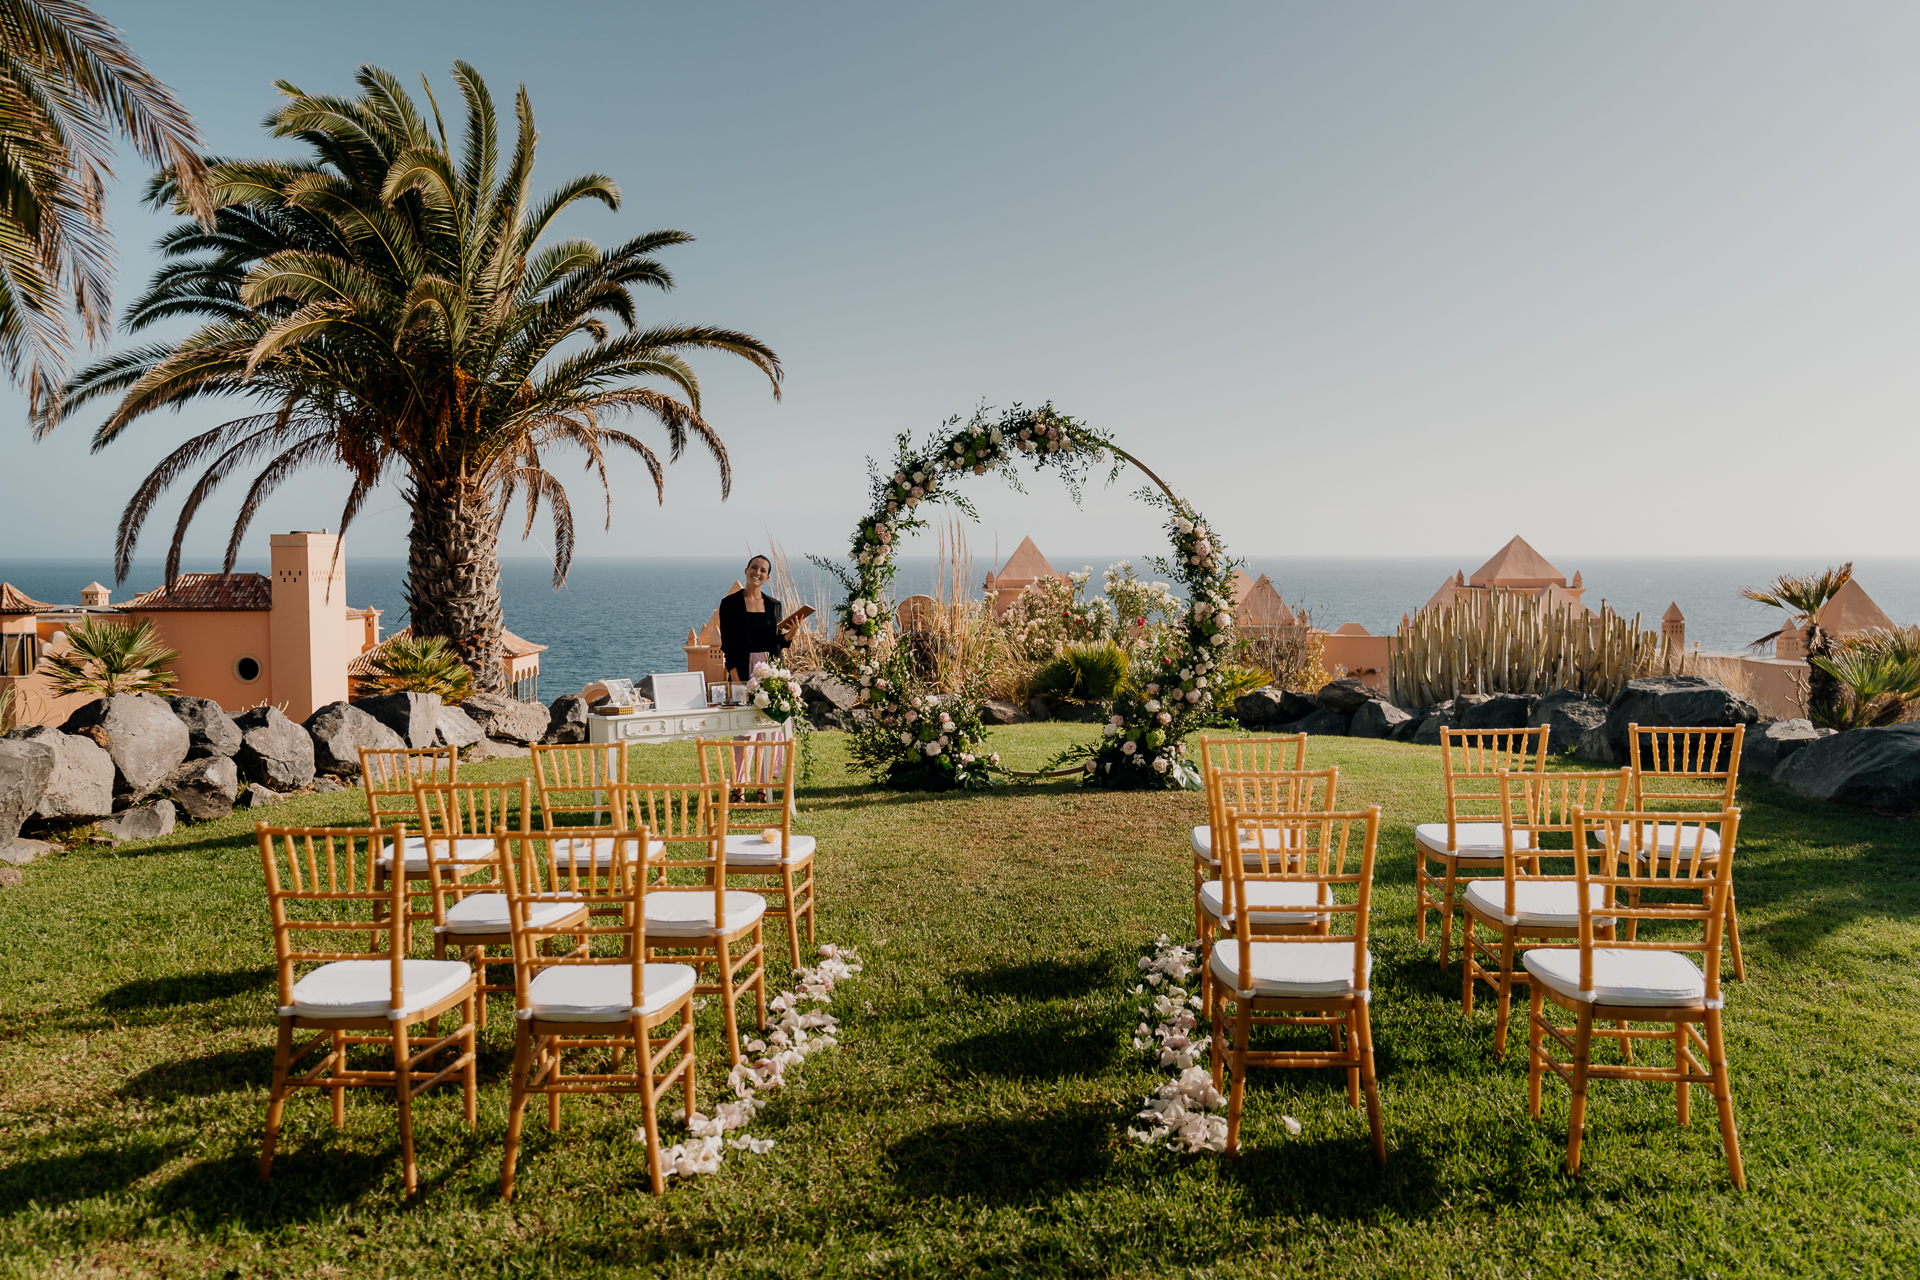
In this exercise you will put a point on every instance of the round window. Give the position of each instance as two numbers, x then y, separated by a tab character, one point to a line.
247	669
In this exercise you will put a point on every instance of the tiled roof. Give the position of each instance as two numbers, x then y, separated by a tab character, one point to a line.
13	600
515	647
208	592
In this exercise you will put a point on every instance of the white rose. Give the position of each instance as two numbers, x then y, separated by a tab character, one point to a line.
1193	695
1153	704
994	435
906	739
1218	637
1223	619
1166	718
1159	764
932	749
1109	729
761	700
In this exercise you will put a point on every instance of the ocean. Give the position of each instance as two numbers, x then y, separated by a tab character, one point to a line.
629	617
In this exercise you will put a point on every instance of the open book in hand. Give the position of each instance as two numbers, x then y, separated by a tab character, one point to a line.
791	623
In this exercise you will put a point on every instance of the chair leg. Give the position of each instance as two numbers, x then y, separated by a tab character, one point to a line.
724	962
1466	964
1682	1091
403	1087
1723	1098
1363	1042
1507	957
277	1104
1577	1114
517	1108
470	1078
649	1105
1216	1035
1236	1095
548	1058
1446	915
1536	1062
760	978
793	915
1733	937
1420	883
339	1090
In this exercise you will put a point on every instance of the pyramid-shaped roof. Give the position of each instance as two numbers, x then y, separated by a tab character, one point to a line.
1673	614
1851	610
1240	584
1260	604
14	600
1518	565
1026	564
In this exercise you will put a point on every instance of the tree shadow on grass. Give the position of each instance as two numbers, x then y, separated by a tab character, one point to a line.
103	1170
1055	979
186	988
1049	1045
1004	1160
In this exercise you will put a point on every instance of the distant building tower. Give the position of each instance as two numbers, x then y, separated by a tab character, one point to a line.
94	596
1673	628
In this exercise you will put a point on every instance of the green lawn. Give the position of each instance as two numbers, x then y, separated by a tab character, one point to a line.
975	1118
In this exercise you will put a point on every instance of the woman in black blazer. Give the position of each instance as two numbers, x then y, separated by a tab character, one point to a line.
750	623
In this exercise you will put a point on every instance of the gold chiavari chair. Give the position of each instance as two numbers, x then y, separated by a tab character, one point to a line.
324	890
692	916
388	776
1257	795
574	781
1470	840
1319	981
1266	754
1524	906
1626	980
470	915
765	767
594	994
1687	768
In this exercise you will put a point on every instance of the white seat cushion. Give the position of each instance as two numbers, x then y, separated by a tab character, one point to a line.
688	913
1550	904
364	988
747	849
1263	894
487	913
1664	834
1291	970
1471	839
1647	979
1270	837
595	851
465	849
604	992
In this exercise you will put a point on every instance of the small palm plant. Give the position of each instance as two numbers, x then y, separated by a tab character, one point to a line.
1879	676
1083	673
417	664
6	709
1802	596
104	658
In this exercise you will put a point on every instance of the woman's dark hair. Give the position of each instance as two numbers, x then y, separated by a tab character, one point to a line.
751	559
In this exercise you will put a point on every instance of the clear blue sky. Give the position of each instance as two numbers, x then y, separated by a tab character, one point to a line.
1359	279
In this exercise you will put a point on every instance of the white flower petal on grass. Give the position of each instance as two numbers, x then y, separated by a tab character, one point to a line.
1293	1126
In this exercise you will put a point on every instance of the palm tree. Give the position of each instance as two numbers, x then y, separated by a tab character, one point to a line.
393	306
1802	596
405	664
68	84
104	658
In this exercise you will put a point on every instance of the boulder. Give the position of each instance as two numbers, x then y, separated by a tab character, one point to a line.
259	797
507	719
1675	700
324	785
455	728
148	822
1039	709
1346	696
205	788
1000	711
1272	706
824	691
1770	742
1498	711
273	749
1437	719
210	730
81	784
1376	719
1594	746
1876	769
1566	715
1325	722
339	730
25	766
140	732
567	719
493	749
414	716
1408	728
22	851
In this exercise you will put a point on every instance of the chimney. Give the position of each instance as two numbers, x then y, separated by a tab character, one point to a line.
308	632
1673	628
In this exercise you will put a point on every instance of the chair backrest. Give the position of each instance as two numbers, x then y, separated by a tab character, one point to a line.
540	868
1265	792
1247	755
325	882
389	775
1668	756
687	823
1613	837
450	811
1535	805
1330	850
1470	764
763	768
575	779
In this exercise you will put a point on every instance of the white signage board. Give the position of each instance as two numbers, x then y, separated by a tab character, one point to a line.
679	689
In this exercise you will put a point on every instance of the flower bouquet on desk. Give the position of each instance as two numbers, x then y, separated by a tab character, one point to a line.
775	692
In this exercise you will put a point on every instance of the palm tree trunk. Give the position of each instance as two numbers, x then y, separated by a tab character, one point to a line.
1823	691
453	572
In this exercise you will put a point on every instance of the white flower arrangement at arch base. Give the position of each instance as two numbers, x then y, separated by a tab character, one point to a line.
775	693
794	1038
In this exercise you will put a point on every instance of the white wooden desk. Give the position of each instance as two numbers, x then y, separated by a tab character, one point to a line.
677	725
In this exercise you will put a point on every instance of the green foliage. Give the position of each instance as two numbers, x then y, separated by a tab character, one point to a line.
1231	680
6	709
417	664
1083	673
103	658
1879	676
1802	596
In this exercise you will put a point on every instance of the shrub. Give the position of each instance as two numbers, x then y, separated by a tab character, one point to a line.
104	658
1083	673
415	664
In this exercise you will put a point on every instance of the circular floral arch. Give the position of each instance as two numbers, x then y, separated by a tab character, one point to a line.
907	734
